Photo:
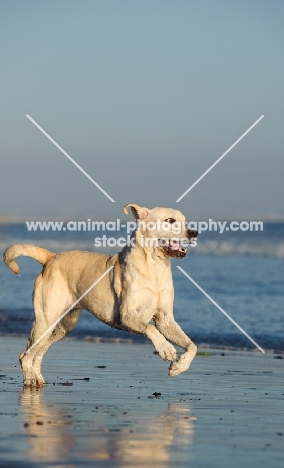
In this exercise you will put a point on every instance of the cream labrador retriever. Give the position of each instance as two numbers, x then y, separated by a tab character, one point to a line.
137	290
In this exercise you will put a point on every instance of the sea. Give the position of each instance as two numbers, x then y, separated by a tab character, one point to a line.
242	271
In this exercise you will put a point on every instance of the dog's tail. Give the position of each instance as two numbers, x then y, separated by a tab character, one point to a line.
17	250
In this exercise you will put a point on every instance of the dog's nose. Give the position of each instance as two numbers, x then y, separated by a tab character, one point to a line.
192	233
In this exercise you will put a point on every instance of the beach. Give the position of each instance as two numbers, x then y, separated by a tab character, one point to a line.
149	132
109	402
112	404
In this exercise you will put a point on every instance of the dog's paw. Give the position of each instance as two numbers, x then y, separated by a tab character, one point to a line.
34	383
167	351
176	368
182	364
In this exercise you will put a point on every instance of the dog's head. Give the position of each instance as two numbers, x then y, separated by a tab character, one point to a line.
163	230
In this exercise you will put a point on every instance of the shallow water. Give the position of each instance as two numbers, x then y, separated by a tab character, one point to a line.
113	405
242	271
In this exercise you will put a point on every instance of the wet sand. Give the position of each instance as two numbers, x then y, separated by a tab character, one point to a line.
113	405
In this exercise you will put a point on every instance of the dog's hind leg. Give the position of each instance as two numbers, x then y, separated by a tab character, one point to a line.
38	328
50	302
173	332
60	331
31	360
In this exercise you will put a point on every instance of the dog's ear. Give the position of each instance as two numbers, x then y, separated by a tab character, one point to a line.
139	212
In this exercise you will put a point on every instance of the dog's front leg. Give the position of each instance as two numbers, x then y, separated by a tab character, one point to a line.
137	321
167	326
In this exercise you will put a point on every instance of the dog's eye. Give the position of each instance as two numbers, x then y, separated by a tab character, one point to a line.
170	220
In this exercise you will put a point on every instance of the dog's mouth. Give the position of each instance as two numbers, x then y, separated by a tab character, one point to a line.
173	248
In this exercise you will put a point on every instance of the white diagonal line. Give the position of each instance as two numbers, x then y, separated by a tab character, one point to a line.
68	310
71	159
220	308
219	159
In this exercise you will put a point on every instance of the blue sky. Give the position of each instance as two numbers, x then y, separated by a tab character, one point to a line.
145	96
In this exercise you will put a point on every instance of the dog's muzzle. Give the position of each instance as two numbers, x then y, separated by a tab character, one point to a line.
174	248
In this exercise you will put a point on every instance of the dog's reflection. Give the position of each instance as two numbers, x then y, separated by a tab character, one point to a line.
51	433
139	439
153	438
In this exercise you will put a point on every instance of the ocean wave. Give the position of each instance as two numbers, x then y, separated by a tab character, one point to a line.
18	323
230	247
234	248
